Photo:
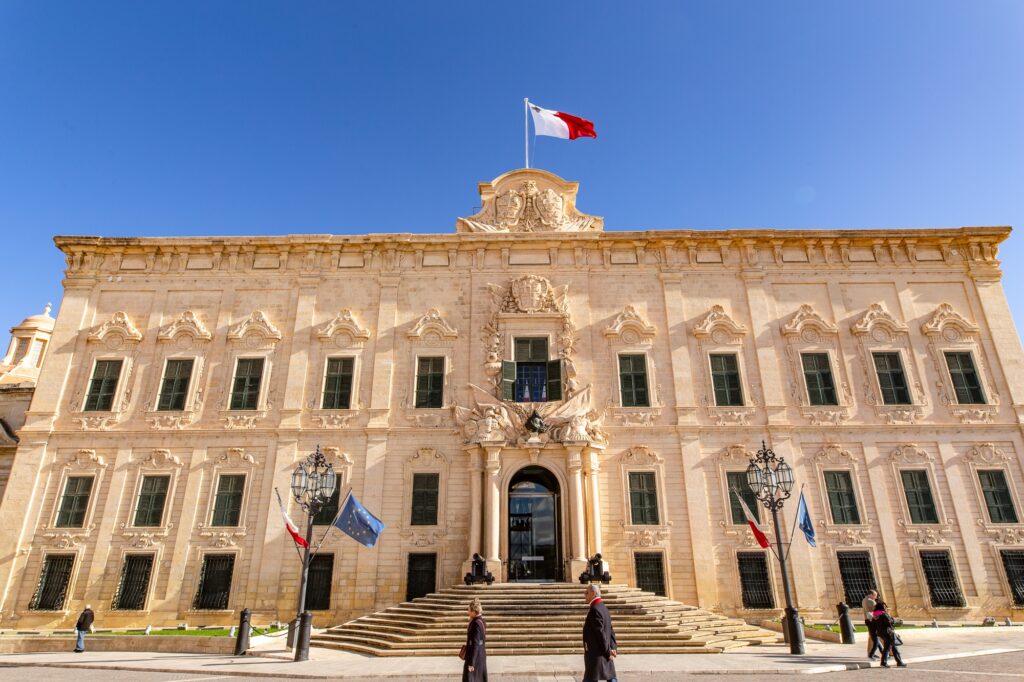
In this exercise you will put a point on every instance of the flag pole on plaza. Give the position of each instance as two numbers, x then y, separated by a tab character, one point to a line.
526	129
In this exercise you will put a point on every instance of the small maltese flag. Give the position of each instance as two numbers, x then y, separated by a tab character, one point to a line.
560	124
759	535
289	525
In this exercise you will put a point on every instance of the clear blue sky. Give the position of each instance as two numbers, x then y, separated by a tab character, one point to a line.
202	118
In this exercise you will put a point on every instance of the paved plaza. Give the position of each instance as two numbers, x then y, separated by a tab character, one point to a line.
954	653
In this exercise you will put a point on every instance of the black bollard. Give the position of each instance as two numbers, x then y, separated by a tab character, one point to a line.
242	639
302	640
845	623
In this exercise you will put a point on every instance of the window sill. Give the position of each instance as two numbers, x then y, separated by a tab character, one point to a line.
738	415
636	416
95	420
333	419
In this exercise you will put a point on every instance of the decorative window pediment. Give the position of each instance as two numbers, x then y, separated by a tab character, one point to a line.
986	453
86	459
345	330
255	329
877	317
948	323
116	331
161	458
187	324
641	454
629	328
910	452
833	453
808	325
433	330
719	327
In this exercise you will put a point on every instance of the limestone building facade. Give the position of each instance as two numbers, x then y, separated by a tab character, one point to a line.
530	387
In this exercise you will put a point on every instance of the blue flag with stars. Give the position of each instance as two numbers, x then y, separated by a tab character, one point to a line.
358	523
803	521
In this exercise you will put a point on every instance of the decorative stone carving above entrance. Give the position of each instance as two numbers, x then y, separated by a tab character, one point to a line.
529	200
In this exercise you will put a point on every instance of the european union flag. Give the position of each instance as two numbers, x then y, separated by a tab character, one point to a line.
803	520
358	523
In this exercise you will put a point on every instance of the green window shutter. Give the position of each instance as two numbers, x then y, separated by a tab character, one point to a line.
228	502
75	502
338	384
508	380
841	498
152	497
966	383
737	484
643	498
424	499
174	389
919	497
997	496
555	379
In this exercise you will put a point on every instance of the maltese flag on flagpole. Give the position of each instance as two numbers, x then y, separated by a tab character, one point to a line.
560	124
759	535
289	525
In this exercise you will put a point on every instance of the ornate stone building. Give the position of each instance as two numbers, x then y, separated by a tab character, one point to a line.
532	388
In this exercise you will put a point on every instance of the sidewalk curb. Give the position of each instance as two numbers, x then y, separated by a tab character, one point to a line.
533	675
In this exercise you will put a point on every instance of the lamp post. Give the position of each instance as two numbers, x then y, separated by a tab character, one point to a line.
313	483
771	480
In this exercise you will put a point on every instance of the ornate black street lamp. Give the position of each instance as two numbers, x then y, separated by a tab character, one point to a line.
313	483
771	480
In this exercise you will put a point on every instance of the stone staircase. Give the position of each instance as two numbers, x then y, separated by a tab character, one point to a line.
540	619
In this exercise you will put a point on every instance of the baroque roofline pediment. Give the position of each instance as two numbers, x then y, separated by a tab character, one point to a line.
529	200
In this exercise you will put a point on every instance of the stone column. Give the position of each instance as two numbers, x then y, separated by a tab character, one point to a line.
492	510
577	514
595	503
476	470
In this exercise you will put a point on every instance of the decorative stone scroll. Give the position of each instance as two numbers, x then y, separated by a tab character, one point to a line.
718	326
529	200
629	328
433	330
117	331
188	324
344	330
255	326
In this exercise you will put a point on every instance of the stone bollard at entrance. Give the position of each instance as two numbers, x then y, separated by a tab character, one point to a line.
242	640
845	623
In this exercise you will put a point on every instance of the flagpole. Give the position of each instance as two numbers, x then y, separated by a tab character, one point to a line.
526	128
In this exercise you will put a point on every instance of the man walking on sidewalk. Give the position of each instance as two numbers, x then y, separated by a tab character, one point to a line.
84	624
599	645
869	608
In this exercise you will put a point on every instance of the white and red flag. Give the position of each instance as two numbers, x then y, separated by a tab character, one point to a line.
759	535
560	124
289	525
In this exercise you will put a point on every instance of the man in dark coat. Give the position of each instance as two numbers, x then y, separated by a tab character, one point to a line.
599	645
83	625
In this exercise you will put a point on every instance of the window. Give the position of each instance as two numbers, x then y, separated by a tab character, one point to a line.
74	502
174	388
754	581
650	572
997	496
841	498
245	391
152	496
943	586
338	384
35	359
227	507
643	498
430	382
100	397
531	377
1013	564
214	582
20	349
633	381
421	578
318	588
53	583
891	379
725	375
424	499
134	585
737	482
325	516
857	575
919	496
966	383
821	390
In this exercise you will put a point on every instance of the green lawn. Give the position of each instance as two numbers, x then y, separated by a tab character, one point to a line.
212	632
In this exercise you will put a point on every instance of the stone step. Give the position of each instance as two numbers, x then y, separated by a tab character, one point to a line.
539	619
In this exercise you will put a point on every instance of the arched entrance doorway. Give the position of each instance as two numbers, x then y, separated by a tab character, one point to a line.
534	527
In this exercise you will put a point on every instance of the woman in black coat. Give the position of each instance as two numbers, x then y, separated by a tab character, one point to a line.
886	628
474	669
